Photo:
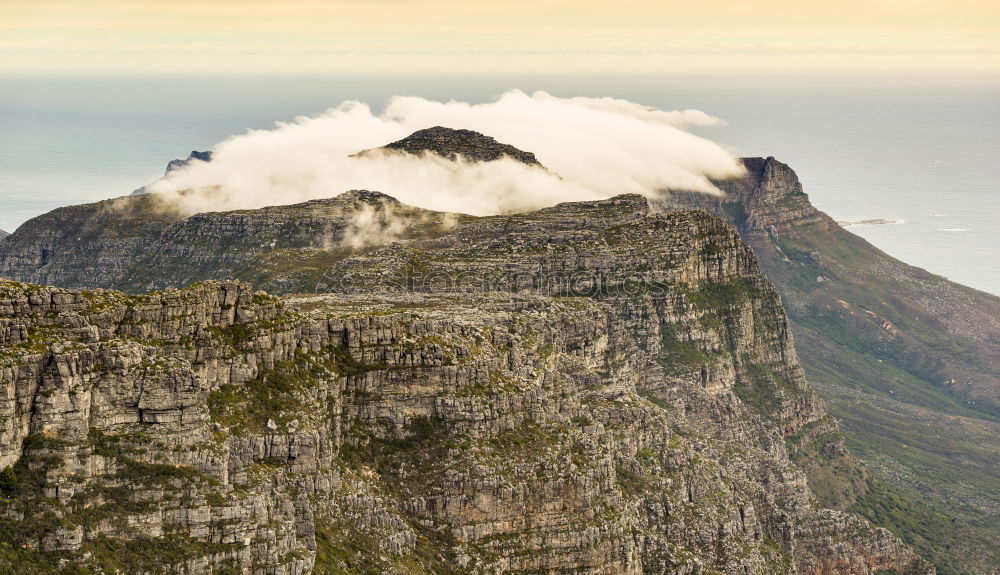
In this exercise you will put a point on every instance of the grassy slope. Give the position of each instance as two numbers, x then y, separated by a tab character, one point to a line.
931	446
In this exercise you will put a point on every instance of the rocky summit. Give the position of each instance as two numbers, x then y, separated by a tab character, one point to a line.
450	143
177	164
590	388
192	157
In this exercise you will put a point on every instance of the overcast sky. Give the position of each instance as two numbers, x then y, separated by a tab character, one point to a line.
446	37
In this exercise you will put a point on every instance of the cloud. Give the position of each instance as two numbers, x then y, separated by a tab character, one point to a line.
371	227
593	148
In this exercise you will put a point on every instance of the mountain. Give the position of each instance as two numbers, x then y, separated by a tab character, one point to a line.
3	234
192	157
905	359
177	164
909	362
450	143
590	388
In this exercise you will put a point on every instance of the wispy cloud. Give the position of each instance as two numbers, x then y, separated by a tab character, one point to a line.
593	148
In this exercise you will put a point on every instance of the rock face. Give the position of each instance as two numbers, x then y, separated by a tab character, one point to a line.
194	156
896	351
590	388
141	243
3	234
177	164
451	144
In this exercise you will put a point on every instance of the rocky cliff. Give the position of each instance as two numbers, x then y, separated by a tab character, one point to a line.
590	388
909	361
906	359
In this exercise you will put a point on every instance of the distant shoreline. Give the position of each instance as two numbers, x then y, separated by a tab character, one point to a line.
872	222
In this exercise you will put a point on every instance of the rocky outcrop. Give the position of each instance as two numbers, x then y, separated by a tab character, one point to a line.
177	164
3	234
193	157
897	351
449	143
590	388
769	199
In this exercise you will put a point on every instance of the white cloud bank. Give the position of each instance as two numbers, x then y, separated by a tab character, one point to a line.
594	148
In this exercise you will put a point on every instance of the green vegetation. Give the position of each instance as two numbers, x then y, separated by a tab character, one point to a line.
676	352
237	336
633	481
277	269
406	457
283	392
17	560
345	364
938	536
342	548
280	393
717	297
762	389
125	449
8	480
528	437
23	494
145	554
112	497
804	266
836	477
928	445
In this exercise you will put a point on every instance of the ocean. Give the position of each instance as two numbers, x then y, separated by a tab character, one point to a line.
921	152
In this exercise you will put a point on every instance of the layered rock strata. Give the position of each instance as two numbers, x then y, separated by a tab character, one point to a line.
589	388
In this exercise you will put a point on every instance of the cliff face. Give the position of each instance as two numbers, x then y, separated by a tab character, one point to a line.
908	360
589	388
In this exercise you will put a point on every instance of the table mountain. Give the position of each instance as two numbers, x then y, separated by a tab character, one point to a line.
906	359
590	388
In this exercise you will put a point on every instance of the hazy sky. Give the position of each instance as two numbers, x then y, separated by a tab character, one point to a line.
518	37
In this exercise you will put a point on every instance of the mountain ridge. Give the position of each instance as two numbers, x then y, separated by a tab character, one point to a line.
893	348
578	412
908	361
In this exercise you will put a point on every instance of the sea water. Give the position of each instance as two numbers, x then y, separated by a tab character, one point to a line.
922	152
